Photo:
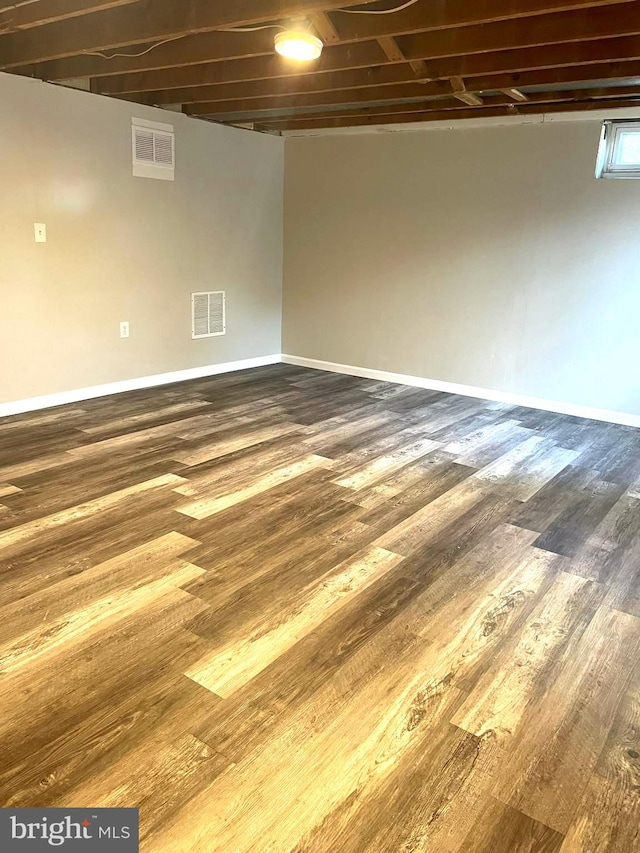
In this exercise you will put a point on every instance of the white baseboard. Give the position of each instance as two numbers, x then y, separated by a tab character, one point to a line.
469	391
78	395
33	403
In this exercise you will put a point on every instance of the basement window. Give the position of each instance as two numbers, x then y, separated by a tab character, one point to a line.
619	151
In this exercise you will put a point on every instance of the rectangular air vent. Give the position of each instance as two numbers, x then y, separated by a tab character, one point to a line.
208	314
153	146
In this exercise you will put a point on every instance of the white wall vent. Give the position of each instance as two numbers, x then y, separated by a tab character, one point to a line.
154	149
208	314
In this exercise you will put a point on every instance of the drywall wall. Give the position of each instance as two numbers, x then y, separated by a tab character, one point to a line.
124	248
483	256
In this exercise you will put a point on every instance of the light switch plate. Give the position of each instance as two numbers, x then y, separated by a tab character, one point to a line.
124	329
40	232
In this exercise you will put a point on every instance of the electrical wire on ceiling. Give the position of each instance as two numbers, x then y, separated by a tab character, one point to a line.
346	11
132	55
176	38
378	11
247	30
252	29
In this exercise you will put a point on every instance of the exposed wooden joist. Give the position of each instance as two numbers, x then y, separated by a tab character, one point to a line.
284	87
190	85
393	76
557	28
529	59
141	24
429	58
553	76
215	46
20	16
338	58
429	15
449	103
148	21
508	68
441	115
541	98
23	16
357	101
197	51
261	72
348	96
152	24
454	13
451	106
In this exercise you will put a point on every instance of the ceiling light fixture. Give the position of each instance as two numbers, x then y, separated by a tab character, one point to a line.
298	44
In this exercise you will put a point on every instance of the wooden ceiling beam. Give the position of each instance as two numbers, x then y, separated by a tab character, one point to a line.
151	21
213	46
261	70
148	21
347	96
23	16
441	115
118	77
428	15
196	70
284	87
346	67
334	122
354	109
397	74
542	30
602	94
199	50
554	76
390	76
350	112
450	104
537	58
154	20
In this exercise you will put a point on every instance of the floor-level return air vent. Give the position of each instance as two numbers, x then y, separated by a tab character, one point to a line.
154	149
208	314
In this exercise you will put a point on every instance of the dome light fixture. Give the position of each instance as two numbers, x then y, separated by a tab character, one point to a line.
298	44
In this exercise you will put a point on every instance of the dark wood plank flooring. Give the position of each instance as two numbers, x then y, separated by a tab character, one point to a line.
285	610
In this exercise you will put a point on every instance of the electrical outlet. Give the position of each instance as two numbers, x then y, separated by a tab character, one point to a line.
40	232
124	329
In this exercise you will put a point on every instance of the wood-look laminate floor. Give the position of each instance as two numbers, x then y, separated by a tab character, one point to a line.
285	610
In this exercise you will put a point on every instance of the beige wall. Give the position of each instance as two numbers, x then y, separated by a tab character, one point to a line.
483	256
125	248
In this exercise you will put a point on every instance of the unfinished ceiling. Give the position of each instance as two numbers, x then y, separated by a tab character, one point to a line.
432	60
